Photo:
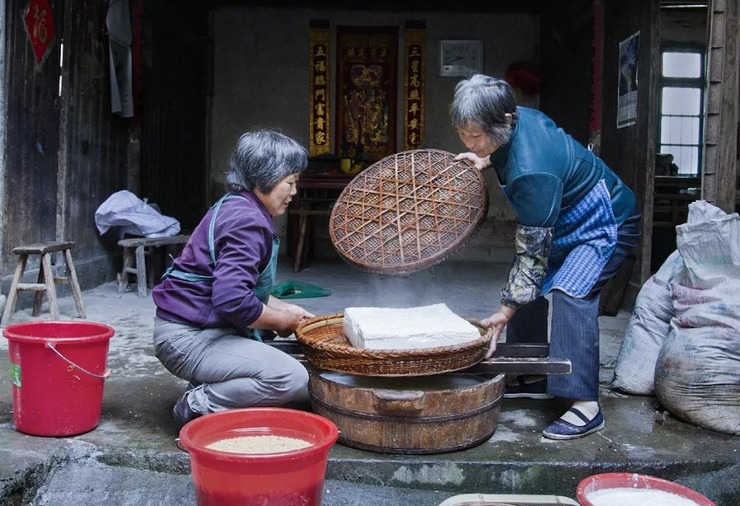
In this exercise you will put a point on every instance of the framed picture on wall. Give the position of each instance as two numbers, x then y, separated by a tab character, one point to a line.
460	57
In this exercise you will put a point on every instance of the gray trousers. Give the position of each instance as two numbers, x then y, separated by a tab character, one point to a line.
230	371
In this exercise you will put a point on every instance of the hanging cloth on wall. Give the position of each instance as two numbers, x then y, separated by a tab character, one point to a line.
120	36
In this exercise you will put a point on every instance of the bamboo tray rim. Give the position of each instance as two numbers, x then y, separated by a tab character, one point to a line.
349	350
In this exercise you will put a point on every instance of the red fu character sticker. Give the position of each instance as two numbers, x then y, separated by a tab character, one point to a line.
39	24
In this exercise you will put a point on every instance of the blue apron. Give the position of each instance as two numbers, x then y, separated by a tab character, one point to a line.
265	280
584	240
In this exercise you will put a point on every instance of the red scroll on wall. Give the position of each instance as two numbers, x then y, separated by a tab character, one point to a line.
367	60
413	86
319	89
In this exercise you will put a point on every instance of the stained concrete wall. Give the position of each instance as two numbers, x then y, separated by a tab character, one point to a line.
261	74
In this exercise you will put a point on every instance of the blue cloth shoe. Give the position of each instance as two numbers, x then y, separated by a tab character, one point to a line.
182	412
561	429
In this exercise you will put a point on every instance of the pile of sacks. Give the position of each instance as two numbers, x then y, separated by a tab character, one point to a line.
683	341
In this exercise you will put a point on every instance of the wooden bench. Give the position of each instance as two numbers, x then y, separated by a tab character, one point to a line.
137	249
304	233
46	280
313	202
514	359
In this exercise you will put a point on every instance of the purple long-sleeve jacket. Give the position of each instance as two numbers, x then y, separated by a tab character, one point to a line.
243	245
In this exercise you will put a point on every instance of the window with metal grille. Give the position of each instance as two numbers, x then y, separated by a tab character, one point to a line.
682	82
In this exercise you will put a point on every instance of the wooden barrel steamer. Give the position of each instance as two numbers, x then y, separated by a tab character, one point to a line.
419	415
400	401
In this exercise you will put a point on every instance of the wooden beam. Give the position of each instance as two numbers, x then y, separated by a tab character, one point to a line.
720	128
518	359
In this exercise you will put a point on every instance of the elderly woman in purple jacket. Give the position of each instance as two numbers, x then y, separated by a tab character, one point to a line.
576	223
214	303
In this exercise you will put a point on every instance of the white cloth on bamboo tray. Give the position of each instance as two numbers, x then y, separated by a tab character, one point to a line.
406	328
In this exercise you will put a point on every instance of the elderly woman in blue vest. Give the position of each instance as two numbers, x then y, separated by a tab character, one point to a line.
576	223
214	303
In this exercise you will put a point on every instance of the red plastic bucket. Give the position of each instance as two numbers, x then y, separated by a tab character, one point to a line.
635	481
274	479
57	372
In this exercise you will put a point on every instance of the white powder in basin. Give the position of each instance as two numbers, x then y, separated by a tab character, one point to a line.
406	328
633	496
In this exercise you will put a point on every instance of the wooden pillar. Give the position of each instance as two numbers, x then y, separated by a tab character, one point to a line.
720	129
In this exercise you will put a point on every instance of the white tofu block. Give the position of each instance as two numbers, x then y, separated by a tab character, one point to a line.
406	328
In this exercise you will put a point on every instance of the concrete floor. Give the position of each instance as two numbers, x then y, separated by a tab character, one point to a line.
131	457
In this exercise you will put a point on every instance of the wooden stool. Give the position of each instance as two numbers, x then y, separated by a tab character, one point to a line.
46	280
137	248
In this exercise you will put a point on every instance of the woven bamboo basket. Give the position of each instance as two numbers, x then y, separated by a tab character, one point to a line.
326	347
408	211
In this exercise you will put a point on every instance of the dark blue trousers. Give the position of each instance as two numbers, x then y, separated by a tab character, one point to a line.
575	325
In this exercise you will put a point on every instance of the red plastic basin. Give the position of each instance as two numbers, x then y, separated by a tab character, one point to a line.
636	481
274	479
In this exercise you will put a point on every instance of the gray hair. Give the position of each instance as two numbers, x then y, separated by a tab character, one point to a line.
263	158
484	101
